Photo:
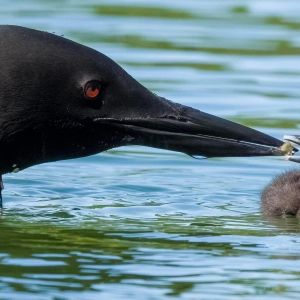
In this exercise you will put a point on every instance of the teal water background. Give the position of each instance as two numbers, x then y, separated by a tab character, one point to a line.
141	223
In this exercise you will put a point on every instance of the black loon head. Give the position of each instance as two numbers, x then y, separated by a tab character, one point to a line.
282	196
60	99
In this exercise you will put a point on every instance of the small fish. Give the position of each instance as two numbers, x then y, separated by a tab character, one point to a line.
291	141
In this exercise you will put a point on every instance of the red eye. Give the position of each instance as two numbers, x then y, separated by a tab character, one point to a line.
92	90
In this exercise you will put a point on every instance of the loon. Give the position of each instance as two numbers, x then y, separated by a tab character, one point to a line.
282	196
60	99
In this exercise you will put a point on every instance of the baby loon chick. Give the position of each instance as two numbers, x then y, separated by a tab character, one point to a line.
281	197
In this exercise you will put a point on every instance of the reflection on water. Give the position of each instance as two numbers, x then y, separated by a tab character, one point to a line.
140	223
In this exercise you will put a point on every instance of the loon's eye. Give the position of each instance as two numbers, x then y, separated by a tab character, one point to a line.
92	90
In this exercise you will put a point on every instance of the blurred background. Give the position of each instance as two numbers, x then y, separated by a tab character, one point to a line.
141	223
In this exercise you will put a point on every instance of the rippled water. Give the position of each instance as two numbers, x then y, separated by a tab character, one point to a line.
141	223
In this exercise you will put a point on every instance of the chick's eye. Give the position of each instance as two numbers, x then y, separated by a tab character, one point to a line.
92	90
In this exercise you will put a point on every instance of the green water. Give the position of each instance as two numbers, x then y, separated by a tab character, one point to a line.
140	223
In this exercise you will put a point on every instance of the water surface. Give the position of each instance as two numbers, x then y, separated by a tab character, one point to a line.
140	223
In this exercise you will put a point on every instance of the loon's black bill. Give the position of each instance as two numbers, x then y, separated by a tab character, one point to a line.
197	133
